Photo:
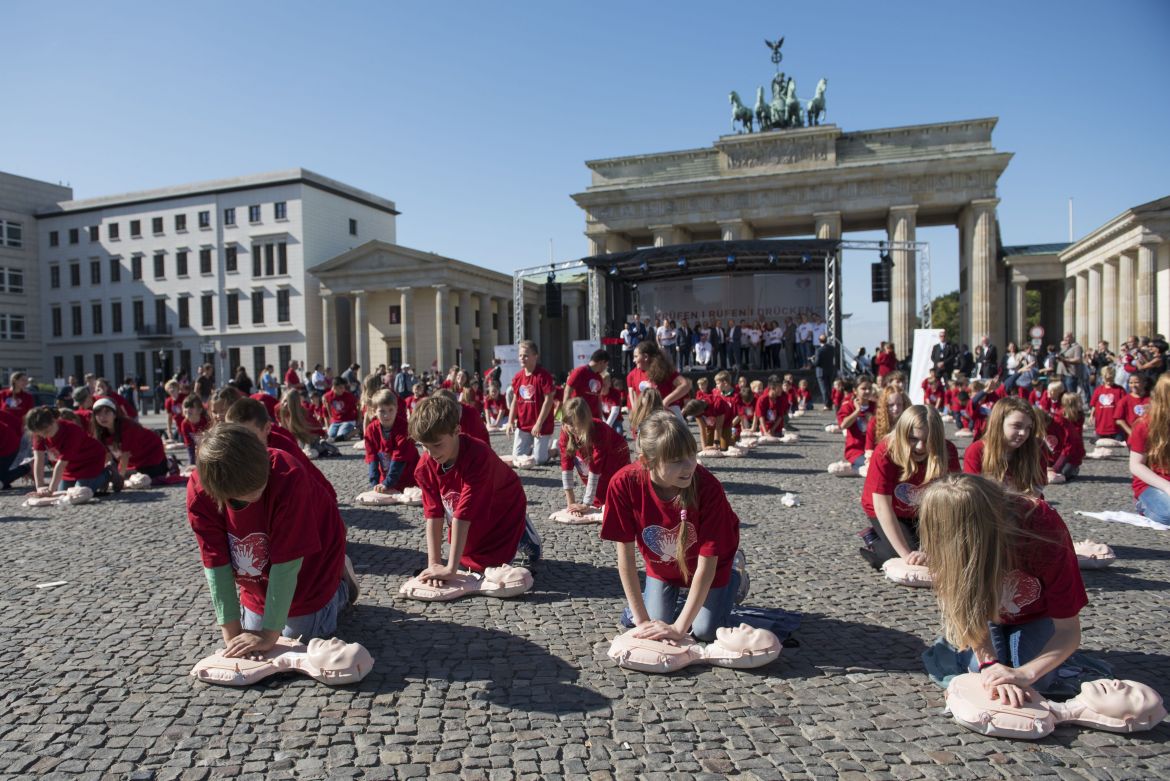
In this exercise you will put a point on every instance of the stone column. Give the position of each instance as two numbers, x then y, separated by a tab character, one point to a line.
982	272
487	334
328	331
1019	324
1108	306
466	323
616	242
736	230
504	333
406	324
1082	332
1093	332
596	243
1125	295
1145	290
666	235
1071	325
903	295
442	315
361	327
828	224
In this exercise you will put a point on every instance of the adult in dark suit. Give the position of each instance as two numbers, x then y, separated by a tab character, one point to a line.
825	361
988	364
734	338
945	356
716	339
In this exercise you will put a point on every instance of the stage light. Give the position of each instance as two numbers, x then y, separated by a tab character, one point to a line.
682	262
772	259
644	266
805	259
613	271
731	261
634	286
885	259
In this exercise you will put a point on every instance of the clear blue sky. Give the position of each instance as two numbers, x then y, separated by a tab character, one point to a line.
476	118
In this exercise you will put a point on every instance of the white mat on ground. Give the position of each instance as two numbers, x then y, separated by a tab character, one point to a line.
1133	519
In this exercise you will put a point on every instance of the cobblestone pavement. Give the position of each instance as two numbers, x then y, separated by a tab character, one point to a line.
95	671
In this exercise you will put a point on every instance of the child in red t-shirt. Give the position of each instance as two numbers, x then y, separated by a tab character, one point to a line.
253	415
772	408
465	483
1149	457
676	513
1065	439
194	423
132	447
11	436
838	394
343	410
714	414
495	407
1134	405
803	396
390	452
80	459
1012	448
15	398
745	412
983	395
933	390
418	392
586	381
613	396
173	406
271	542
853	418
471	421
593	450
533	398
1106	403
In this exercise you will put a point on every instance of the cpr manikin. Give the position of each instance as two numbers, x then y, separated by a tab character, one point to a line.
333	662
409	496
740	647
915	575
593	515
502	582
1094	555
1112	705
78	494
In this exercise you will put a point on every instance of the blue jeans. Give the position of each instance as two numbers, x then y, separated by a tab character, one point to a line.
341	430
1154	504
1017	644
95	484
661	600
320	624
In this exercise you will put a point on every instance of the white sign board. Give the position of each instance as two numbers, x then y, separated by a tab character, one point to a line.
509	355
747	297
924	341
582	349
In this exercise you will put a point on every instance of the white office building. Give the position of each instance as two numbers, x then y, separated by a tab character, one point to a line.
146	283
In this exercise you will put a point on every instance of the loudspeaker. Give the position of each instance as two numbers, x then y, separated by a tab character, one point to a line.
552	300
880	282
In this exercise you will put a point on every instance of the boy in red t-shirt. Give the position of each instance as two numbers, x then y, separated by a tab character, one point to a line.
196	420
586	381
173	406
533	398
390	451
343	410
418	392
271	542
612	398
465	483
771	408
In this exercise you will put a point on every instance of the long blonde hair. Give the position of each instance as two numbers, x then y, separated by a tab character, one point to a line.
649	401
901	450
1158	423
664	438
881	417
968	526
1024	468
577	416
292	416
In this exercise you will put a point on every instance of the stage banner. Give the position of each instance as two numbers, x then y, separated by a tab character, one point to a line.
509	355
582	349
745	297
924	341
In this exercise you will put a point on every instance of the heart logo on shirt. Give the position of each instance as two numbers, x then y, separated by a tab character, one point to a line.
644	384
908	494
526	392
339	405
1106	399
663	542
771	415
594	386
249	554
709	421
449	500
1019	590
1051	442
1139	410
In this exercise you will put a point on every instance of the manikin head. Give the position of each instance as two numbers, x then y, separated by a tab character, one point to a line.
1125	705
744	638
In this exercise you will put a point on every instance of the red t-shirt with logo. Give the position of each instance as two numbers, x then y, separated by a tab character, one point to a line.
613	398
291	380
471	423
973	458
484	491
495	406
17	403
342	406
1047	583
608	453
282	439
410	401
530	392
292	520
144	447
1106	403
191	432
586	383
173	406
1137	444
386	447
718	405
855	434
1131	408
746	411
884	478
635	513
770	412
11	432
83	455
803	398
637	381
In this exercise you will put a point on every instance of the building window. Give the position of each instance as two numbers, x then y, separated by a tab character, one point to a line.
184	362
284	353
204	261
257	307
93	233
184	312
233	308
115	269
204	219
11	234
257	361
353	227
160	315
257	269
207	303
12	327
233	359
269	260
79	366
54	276
456	315
95	272
136	267
282	258
119	365
138	312
55	315
99	364
59	366
282	309
280	210
75	319
12	280
229	216
160	265
229	258
75	275
254	213
139	366
135	229
74	235
156	225
112	231
116	317
395	314
180	223
54	238
96	316
181	263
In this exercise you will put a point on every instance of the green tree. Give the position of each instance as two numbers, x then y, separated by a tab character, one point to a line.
944	312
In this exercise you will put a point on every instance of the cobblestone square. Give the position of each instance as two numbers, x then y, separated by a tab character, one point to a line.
95	680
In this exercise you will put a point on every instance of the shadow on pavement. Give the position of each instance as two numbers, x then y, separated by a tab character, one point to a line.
833	645
370	559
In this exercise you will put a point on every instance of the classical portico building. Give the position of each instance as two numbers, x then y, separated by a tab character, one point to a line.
384	303
823	182
1117	278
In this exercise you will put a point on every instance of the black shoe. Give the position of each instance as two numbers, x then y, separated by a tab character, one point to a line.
871	557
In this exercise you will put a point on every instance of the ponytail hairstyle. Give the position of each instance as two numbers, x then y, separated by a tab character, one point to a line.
292	416
40	418
901	451
1025	468
222	399
649	401
882	422
664	438
1072	408
1158	425
576	415
660	366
